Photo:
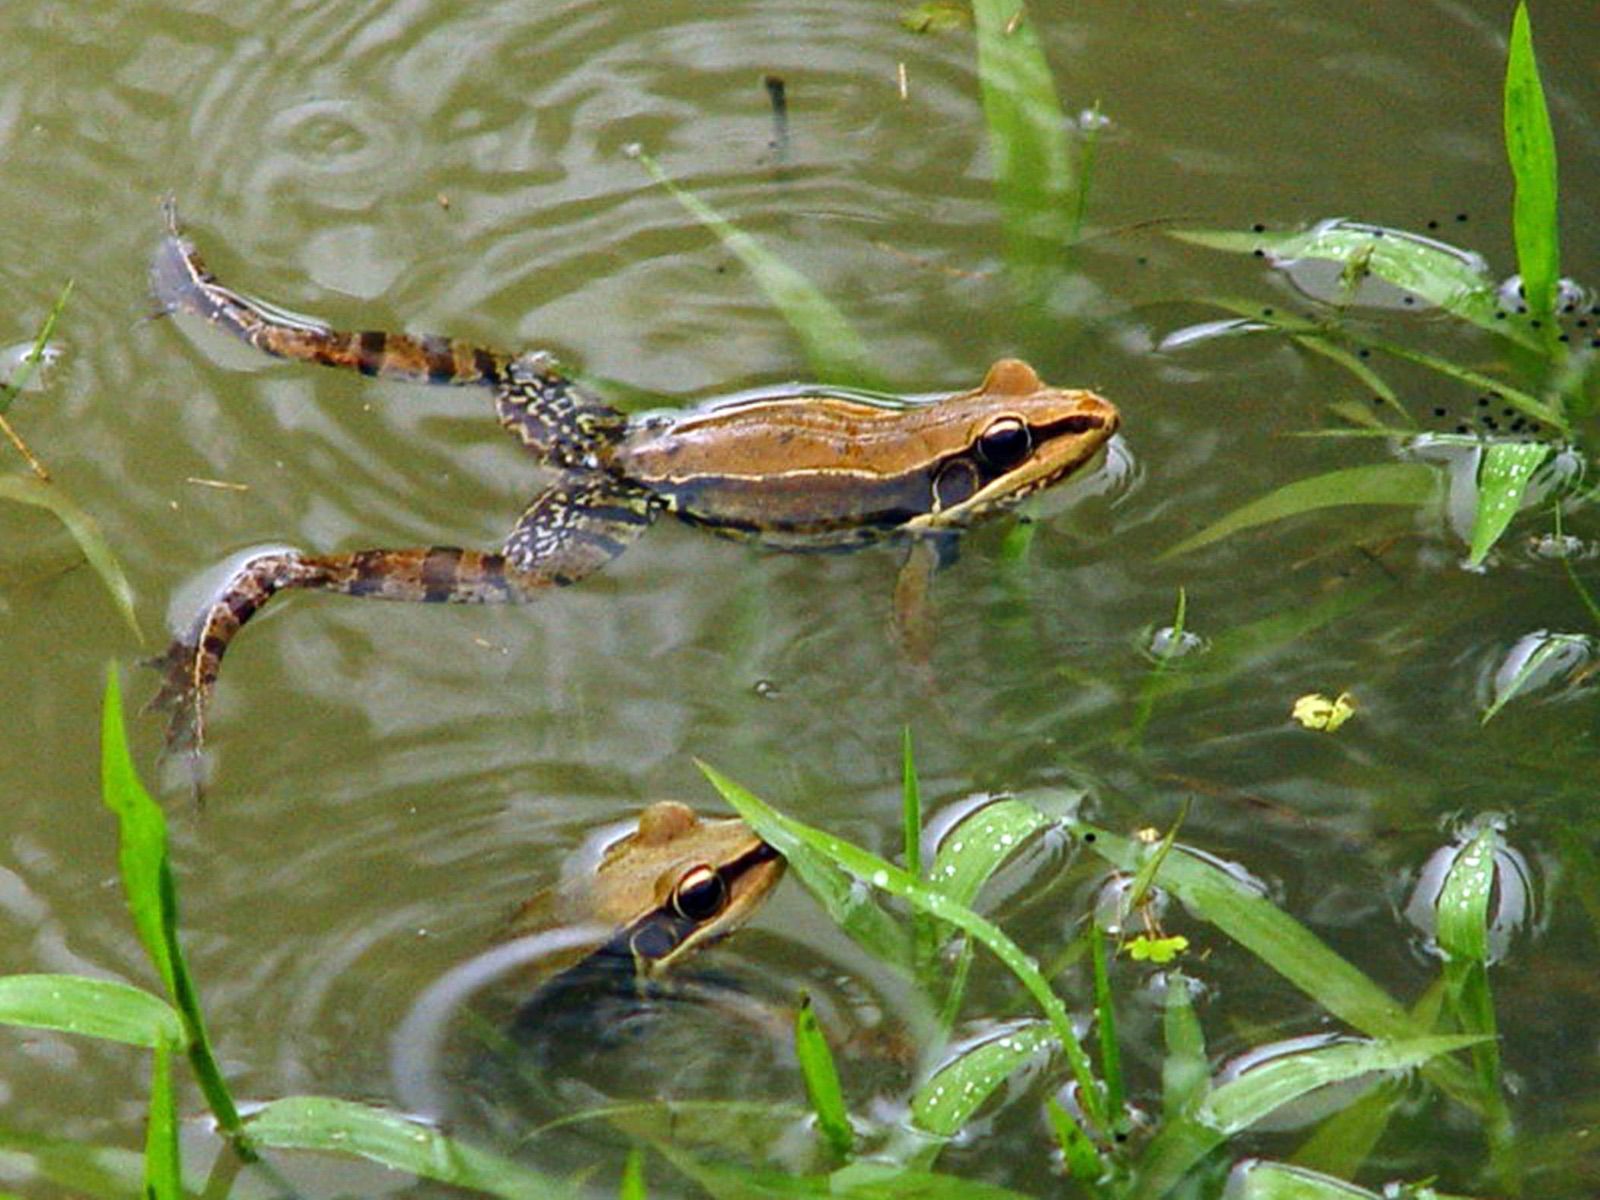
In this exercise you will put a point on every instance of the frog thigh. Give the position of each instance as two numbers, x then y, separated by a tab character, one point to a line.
576	526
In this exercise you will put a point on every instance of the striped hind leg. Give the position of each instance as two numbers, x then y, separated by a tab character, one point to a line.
572	529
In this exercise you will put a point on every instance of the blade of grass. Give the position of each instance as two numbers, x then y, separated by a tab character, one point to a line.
344	1127
163	1170
1082	1160
945	1103
1184	1076
821	1074
1106	1021
632	1186
13	387
832	346
1554	651
1453	279
100	1008
153	902
1400	484
778	829
910	805
1503	476
1531	148
1232	1107
85	530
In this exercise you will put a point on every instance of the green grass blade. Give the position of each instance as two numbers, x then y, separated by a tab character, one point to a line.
85	530
821	1074
1077	1150
344	1127
977	847
1453	279
1407	484
1502	477
100	1008
1233	1107
1552	654
1531	148
163	1170
1105	1021
152	899
832	346
1028	141
13	387
632	1185
1184	1073
910	805
1343	1142
945	1103
782	831
1278	1181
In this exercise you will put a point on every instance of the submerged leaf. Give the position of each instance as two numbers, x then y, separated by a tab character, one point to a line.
1384	483
85	530
832	346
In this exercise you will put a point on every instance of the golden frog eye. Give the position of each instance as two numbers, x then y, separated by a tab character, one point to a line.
1005	443
700	895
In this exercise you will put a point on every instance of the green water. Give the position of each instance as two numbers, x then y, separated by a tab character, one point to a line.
390	780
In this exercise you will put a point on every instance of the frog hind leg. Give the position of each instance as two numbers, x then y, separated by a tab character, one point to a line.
561	422
572	529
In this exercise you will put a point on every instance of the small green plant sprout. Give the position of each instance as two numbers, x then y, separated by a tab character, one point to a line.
1544	382
1316	711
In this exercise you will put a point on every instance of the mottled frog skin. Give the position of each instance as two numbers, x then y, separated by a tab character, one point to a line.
797	470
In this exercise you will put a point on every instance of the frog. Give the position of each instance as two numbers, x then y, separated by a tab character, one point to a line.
800	468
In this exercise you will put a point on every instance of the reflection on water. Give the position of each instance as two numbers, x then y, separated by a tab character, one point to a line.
392	778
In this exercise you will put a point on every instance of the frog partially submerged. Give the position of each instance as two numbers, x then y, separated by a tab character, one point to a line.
797	470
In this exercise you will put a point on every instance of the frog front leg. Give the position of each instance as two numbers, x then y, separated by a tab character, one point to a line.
572	529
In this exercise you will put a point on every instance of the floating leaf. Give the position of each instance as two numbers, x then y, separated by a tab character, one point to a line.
1455	280
946	1102
1536	660
1531	147
1384	483
832	346
1502	477
1159	950
85	530
821	1074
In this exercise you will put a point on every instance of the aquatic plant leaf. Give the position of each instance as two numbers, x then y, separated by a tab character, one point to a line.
832	346
1260	1180
946	1101
1185	1075
821	1074
936	16
1342	1143
1077	1150
1105	1021
11	388
1531	148
100	1008
345	1127
85	530
1502	477
783	832
153	901
163	1169
1453	279
977	847
1028	142
1408	484
1232	1107
847	902
1550	655
910	805
632	1186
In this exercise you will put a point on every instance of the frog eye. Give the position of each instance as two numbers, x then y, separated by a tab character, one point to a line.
1005	443
700	895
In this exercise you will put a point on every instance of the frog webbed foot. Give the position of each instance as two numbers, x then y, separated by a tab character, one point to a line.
181	697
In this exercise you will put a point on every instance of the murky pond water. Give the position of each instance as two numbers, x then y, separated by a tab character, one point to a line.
390	780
